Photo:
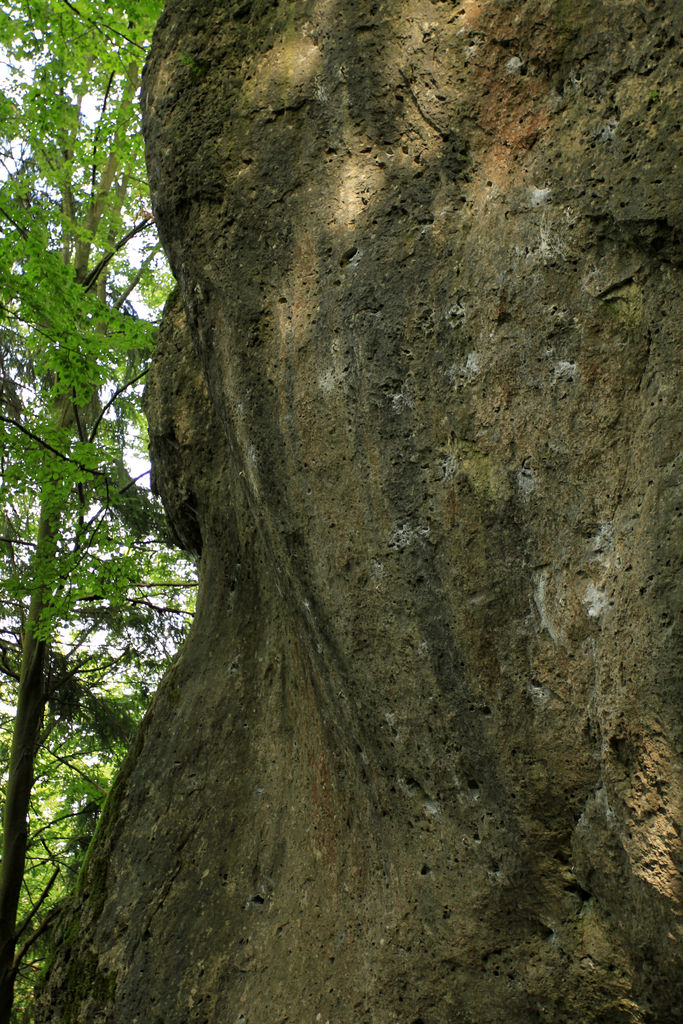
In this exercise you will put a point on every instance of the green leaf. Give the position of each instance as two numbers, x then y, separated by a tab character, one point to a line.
84	566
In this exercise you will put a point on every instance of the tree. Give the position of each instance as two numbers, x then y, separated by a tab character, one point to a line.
93	602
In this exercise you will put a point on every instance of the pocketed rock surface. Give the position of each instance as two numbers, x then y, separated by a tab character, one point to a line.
419	761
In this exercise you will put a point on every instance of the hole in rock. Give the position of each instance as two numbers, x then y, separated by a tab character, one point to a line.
578	890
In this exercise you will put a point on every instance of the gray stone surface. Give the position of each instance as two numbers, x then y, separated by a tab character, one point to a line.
419	761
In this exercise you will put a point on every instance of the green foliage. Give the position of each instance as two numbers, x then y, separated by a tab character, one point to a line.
197	68
88	586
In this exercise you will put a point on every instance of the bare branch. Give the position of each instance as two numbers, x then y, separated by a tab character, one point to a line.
108	405
131	483
56	821
27	920
99	267
138	277
160	607
79	771
40	930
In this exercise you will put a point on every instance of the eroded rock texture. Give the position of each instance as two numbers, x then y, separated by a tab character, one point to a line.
418	761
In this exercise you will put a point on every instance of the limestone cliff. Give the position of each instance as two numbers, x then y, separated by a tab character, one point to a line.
419	761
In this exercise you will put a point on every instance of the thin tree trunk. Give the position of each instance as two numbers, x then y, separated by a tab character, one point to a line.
31	701
27	723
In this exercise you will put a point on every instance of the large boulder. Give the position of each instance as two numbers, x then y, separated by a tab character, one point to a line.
419	761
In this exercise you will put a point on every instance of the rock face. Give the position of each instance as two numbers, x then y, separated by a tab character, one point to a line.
419	761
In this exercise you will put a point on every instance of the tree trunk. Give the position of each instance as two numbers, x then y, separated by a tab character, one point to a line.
27	723
31	701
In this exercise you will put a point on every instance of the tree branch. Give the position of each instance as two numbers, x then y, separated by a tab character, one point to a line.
141	601
77	417
96	136
27	920
98	27
79	771
42	927
55	821
138	277
22	231
131	483
108	405
49	447
167	586
159	607
99	267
